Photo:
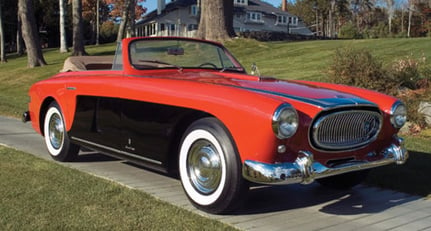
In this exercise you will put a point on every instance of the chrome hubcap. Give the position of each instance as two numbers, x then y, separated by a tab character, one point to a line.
56	131
204	167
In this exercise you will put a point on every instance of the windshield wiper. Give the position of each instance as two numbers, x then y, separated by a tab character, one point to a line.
161	62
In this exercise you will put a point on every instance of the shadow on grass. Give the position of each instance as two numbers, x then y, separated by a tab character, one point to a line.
413	177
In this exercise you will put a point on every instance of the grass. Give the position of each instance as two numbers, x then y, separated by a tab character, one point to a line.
414	176
41	195
16	78
310	59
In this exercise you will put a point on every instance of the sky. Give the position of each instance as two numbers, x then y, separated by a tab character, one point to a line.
152	4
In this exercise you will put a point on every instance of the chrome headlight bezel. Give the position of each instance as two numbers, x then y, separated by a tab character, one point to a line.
398	114
285	121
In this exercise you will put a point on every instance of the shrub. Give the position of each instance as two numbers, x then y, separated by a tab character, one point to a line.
408	78
108	32
359	68
407	72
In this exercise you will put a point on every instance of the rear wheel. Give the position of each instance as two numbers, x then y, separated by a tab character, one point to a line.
56	139
210	168
344	181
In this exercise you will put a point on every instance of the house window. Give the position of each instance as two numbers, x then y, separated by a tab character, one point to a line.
254	16
282	19
194	10
192	27
240	2
172	27
294	20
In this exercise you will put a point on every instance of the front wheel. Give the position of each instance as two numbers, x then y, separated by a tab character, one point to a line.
210	168
56	139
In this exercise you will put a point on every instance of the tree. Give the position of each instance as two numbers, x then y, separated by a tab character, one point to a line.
93	11
19	40
78	37
63	43
124	20
129	11
216	20
2	39
390	5
411	9
30	34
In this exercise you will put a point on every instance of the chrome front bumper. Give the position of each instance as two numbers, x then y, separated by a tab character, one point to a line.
305	170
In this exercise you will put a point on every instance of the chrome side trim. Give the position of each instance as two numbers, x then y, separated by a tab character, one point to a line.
117	151
305	170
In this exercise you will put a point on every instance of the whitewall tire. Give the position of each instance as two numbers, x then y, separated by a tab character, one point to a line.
56	137
210	168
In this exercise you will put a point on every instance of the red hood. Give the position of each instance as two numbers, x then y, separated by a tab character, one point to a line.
303	92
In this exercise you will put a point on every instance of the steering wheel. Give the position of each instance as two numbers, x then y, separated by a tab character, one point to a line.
208	64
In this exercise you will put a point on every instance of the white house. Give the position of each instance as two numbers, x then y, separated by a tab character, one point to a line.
181	18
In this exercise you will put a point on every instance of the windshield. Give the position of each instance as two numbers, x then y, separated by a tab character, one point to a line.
181	54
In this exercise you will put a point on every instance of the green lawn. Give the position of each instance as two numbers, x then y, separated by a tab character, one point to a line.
310	59
38	194
53	197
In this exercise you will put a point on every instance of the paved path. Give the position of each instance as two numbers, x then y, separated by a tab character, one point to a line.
292	207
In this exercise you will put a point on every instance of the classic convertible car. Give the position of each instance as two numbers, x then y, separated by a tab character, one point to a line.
188	107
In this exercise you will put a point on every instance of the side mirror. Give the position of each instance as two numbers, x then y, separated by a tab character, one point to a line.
255	70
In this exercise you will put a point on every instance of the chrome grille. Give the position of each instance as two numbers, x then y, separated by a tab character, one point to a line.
343	130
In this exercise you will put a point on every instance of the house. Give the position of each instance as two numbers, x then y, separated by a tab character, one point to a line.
181	18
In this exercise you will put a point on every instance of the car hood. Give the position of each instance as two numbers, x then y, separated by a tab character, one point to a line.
292	90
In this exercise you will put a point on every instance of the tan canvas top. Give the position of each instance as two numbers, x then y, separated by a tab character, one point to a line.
83	63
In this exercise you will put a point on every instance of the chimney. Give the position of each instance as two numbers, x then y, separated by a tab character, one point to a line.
160	6
284	5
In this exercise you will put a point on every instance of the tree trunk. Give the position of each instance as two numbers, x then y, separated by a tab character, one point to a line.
19	41
216	21
411	6
97	22
390	4
30	34
63	42
402	19
2	46
132	17
124	19
78	37
331	23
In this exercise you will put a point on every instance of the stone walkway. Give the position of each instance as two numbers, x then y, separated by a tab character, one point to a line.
292	207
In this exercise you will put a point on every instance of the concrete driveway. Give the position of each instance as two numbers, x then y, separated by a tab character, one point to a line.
292	207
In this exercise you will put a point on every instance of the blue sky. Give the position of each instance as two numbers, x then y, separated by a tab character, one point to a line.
152	4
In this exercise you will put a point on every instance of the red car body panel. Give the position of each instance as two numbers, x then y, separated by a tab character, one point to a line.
245	104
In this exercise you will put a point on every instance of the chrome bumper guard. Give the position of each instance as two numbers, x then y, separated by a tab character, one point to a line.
305	170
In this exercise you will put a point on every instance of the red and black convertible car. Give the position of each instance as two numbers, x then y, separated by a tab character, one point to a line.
188	106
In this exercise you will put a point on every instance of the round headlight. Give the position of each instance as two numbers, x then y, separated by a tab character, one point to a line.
398	114
285	121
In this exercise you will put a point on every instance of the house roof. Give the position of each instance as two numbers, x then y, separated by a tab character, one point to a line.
253	5
172	6
261	6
